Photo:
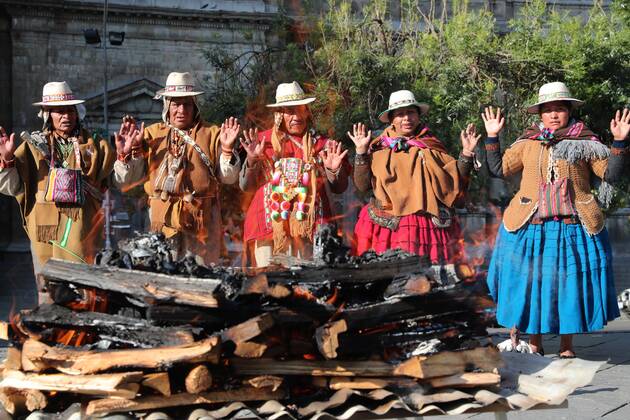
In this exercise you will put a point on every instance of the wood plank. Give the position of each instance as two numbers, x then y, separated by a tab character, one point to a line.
407	285
159	382
258	367
102	385
184	399
364	383
451	363
258	284
139	285
5	331
199	379
76	362
265	381
250	349
380	270
14	359
134	332
35	400
421	367
249	329
467	380
167	315
327	337
13	401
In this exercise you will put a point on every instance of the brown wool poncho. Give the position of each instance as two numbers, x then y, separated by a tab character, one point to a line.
418	179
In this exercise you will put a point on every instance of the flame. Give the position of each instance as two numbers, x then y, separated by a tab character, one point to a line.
332	299
301	293
94	301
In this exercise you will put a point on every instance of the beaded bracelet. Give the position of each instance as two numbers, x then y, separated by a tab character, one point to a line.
361	159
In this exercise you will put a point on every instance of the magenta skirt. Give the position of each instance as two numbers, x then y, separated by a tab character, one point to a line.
416	234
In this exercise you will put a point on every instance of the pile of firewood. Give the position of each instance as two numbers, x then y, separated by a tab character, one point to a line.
165	333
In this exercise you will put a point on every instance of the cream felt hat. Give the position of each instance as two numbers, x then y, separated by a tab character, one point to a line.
402	99
551	92
290	94
178	85
57	94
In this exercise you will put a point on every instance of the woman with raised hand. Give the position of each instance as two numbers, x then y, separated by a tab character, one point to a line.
551	269
415	183
289	168
58	176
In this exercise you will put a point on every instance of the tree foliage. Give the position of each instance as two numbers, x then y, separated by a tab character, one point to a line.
453	58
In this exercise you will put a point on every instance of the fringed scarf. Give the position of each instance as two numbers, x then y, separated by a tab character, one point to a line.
423	140
573	143
575	130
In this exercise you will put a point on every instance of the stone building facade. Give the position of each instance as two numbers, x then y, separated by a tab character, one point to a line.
42	40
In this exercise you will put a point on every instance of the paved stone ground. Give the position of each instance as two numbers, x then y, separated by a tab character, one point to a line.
608	397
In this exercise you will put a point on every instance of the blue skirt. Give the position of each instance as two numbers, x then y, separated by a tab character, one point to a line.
553	278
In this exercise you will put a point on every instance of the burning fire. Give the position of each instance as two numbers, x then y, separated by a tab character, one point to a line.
94	301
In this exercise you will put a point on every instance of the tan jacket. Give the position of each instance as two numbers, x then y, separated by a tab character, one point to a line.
196	221
45	221
532	158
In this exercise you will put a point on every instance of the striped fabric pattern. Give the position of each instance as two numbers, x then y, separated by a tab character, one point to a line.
64	186
555	200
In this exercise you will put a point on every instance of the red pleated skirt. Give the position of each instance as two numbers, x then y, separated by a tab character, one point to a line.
416	234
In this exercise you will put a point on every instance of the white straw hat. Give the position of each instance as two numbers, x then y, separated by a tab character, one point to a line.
290	94
551	92
178	85
57	94
402	99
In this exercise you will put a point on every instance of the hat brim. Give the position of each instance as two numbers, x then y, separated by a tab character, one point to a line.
304	101
384	116
178	94
60	103
535	108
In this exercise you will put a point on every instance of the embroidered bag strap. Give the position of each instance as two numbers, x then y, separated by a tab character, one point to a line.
195	146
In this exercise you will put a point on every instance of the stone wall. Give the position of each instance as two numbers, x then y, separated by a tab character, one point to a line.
48	44
42	40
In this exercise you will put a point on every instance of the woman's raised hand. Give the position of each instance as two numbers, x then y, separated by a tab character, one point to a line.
332	155
129	135
469	138
229	132
620	124
7	145
252	146
360	138
493	121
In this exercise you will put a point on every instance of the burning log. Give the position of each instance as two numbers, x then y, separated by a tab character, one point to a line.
142	287
170	315
327	337
133	332
339	323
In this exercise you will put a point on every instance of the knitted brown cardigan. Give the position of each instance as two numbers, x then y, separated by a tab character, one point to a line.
577	160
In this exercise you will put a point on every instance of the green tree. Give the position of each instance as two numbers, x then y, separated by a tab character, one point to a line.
453	59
